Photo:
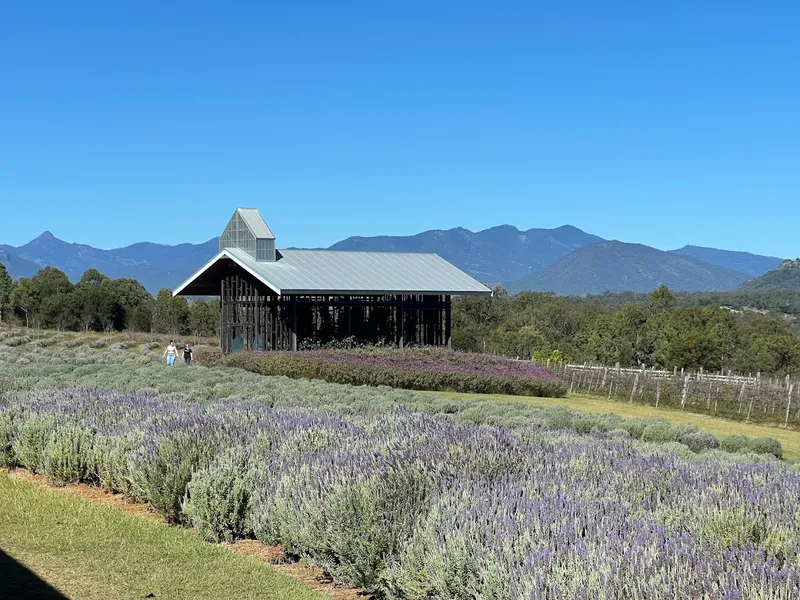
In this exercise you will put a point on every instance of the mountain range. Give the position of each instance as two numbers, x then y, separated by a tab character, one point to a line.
564	260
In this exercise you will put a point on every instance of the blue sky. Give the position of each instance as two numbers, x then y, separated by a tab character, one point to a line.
661	123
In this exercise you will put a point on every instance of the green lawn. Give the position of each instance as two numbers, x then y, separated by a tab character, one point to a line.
86	550
790	440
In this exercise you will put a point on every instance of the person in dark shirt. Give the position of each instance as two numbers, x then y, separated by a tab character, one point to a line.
187	355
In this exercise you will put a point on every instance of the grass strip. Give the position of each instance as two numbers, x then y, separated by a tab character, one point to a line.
89	551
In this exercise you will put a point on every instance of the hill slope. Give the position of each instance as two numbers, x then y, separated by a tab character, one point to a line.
16	266
752	264
498	254
785	278
617	266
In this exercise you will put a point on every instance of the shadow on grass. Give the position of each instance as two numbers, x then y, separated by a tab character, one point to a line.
17	581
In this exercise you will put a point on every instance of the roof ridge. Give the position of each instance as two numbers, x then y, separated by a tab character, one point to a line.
332	250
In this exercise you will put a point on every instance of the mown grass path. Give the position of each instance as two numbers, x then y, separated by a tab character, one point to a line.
90	551
789	439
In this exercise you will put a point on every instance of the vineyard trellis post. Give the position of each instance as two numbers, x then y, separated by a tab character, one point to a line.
741	398
635	384
788	402
685	391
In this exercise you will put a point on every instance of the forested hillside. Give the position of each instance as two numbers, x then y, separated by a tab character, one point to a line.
785	277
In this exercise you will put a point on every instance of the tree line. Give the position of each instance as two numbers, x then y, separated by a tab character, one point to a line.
97	303
654	330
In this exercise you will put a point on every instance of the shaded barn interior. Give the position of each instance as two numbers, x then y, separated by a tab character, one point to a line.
288	299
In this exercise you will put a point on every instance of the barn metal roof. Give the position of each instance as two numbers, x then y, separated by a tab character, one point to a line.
253	219
340	272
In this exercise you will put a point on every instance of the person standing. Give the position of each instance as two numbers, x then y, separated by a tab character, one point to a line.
187	355
171	353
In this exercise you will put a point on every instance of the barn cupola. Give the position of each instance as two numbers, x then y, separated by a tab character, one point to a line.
248	232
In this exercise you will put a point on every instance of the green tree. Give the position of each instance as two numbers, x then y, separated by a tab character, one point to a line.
141	317
51	281
59	311
6	288
204	318
92	277
170	315
96	301
26	300
131	295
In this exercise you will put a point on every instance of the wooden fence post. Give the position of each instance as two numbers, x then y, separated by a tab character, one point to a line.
658	391
741	398
752	399
685	391
788	404
635	384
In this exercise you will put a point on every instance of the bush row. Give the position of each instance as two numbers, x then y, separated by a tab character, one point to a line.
302	365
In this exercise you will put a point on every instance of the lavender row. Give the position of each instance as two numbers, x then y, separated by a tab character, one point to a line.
418	369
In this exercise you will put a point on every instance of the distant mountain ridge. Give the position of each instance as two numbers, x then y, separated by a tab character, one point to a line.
785	278
752	264
153	265
564	260
497	255
620	267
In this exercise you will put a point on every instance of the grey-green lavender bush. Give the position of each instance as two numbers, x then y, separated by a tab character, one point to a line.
68	455
163	463
31	440
111	454
217	502
6	438
766	445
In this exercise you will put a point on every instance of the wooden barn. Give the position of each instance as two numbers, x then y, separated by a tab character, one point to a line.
278	299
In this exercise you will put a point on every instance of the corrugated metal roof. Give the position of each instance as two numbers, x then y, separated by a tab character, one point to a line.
339	272
253	219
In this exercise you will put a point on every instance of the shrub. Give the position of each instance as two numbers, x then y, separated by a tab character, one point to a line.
162	465
110	456
735	443
657	432
699	441
31	440
68	455
218	498
17	341
6	438
766	445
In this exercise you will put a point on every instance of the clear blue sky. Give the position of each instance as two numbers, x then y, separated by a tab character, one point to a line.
662	123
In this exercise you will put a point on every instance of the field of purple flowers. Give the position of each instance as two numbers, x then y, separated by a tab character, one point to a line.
419	506
414	369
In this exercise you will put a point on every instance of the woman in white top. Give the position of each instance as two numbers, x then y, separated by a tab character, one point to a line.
171	353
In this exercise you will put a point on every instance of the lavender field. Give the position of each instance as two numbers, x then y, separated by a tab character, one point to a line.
414	501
